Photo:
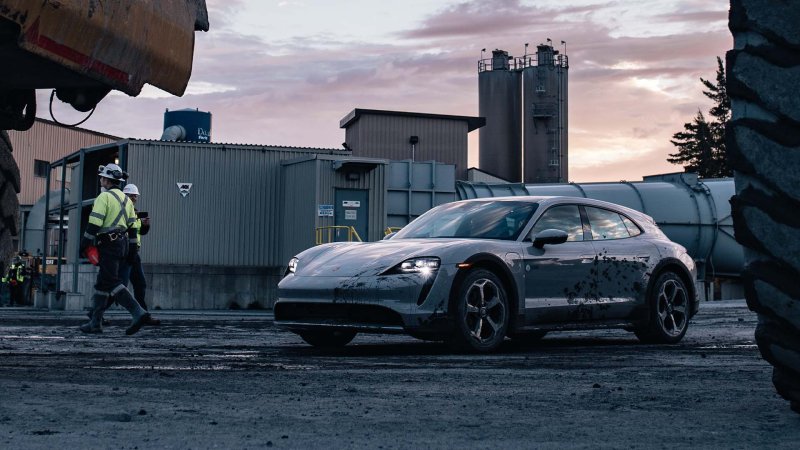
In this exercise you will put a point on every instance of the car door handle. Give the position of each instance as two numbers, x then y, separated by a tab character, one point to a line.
643	258
585	259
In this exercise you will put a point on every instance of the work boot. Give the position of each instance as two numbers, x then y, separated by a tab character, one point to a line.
105	322
140	316
95	324
152	320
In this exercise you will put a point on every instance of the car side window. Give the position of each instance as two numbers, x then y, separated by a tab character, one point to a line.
565	218
633	229
606	224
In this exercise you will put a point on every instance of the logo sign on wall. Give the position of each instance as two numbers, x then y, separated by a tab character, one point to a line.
184	188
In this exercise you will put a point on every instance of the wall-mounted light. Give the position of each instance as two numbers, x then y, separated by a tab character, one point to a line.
413	140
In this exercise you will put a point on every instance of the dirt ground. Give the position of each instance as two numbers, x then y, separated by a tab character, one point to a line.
232	380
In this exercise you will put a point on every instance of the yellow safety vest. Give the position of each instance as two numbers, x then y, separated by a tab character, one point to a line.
112	212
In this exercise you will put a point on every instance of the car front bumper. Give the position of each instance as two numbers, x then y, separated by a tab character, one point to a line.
408	303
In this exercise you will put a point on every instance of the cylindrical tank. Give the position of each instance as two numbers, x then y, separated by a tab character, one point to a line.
545	118
196	123
499	101
691	212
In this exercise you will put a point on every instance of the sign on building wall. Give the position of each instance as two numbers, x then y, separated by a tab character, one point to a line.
325	210
184	188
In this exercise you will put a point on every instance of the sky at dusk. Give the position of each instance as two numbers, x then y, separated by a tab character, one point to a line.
280	72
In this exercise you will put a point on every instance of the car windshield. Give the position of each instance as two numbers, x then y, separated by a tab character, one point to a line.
482	220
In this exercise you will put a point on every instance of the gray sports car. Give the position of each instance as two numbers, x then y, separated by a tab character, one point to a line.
474	272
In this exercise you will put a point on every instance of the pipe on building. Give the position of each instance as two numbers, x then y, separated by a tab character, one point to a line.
693	213
174	133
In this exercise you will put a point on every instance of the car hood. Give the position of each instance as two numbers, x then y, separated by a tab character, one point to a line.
369	258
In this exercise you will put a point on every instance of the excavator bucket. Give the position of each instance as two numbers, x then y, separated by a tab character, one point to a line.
119	44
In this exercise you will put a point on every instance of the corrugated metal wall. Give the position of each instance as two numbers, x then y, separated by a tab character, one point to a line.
231	216
47	141
414	188
373	180
299	212
313	182
384	136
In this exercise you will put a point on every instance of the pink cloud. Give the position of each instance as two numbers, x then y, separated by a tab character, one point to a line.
634	91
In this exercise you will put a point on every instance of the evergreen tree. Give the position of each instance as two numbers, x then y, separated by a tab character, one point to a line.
702	143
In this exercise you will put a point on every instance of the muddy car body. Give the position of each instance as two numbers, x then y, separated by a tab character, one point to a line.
475	271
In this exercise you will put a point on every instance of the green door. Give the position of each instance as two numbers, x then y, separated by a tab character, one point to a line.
352	210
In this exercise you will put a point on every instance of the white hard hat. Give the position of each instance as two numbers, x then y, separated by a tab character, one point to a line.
130	188
112	171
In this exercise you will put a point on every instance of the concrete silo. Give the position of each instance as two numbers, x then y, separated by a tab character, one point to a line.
524	101
500	102
544	81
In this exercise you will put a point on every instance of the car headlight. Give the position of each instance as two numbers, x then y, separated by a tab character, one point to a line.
425	266
292	266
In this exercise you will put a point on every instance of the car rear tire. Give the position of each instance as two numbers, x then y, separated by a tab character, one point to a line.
669	310
481	312
328	339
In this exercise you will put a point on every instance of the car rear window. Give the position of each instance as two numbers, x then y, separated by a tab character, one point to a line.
606	224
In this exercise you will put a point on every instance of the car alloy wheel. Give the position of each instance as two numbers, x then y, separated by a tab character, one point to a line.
481	312
669	311
672	307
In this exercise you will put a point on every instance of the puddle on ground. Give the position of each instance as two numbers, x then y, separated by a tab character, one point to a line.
724	346
11	336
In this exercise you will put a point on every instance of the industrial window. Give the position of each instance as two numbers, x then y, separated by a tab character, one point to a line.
40	168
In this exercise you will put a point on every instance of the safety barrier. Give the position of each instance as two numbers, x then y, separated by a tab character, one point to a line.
325	235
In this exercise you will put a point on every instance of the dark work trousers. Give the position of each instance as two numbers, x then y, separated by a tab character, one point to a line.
112	255
15	294
26	291
135	274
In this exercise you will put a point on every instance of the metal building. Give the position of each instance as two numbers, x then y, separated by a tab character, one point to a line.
227	218
524	101
216	215
33	151
400	135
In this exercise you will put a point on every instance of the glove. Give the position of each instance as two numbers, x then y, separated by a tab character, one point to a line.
133	250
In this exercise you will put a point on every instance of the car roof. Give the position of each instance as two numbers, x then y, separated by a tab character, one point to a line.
562	199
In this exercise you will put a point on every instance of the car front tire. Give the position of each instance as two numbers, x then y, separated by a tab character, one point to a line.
481	312
669	310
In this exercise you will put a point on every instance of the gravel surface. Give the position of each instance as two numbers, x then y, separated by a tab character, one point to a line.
232	380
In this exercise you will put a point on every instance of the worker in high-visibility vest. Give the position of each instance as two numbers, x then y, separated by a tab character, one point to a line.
132	269
15	280
112	224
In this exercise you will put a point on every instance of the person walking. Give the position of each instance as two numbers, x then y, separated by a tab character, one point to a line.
15	278
132	270
111	223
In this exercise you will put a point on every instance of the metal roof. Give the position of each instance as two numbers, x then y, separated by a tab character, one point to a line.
472	122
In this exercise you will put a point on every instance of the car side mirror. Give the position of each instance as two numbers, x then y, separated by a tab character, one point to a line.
549	236
389	236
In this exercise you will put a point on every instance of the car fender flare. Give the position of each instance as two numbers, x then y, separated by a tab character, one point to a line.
673	265
499	267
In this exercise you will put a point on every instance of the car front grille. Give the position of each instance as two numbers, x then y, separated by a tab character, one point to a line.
340	314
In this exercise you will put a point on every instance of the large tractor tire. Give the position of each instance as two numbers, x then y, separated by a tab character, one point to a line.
9	205
763	144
